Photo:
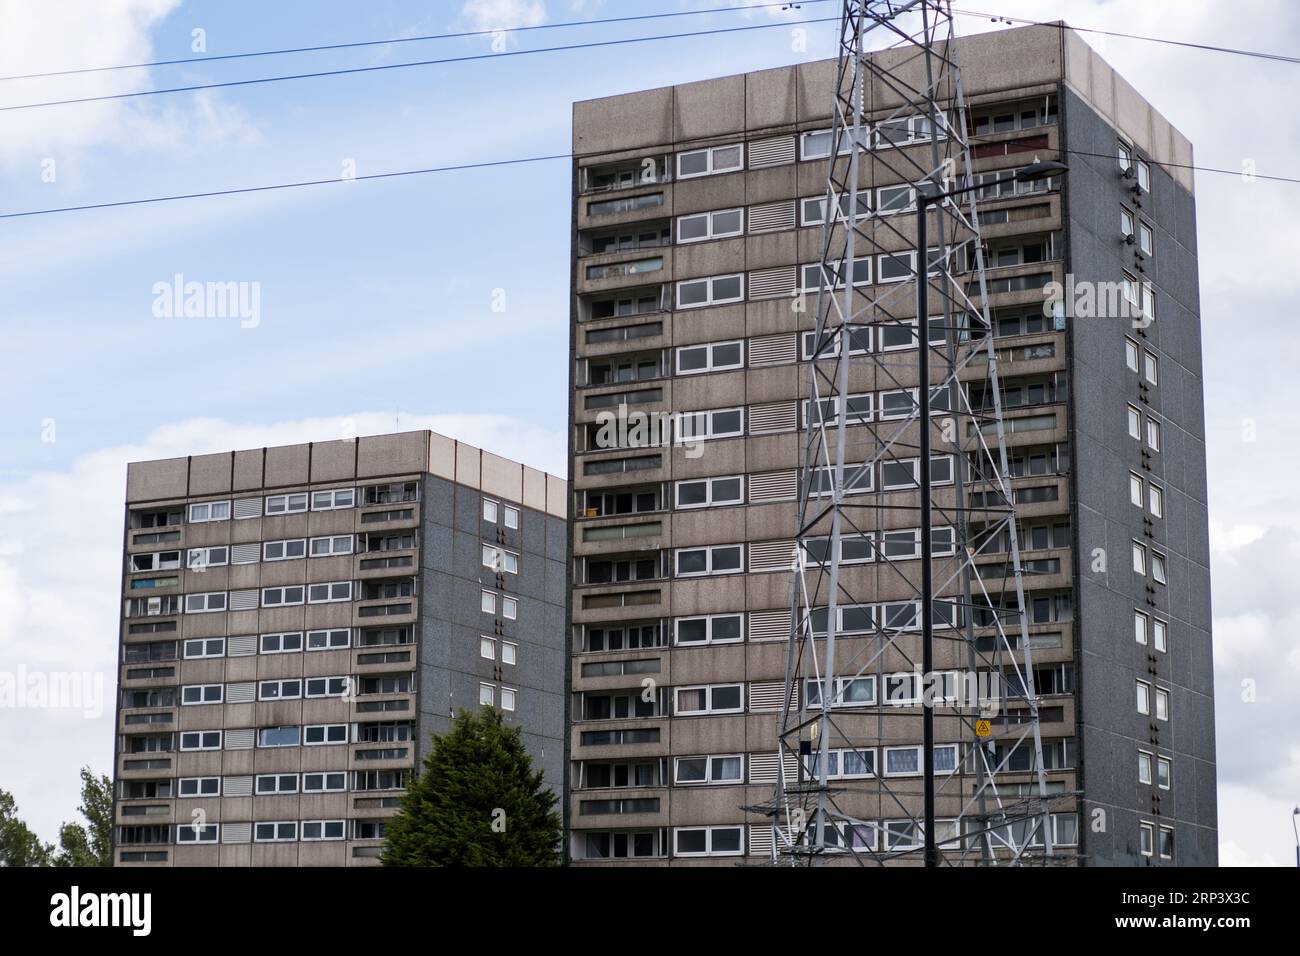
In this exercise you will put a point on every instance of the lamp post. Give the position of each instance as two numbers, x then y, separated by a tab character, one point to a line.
928	194
1296	813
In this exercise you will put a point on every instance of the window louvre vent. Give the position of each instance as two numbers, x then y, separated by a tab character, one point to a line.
769	283
766	695
773	417
237	787
240	739
246	553
769	625
773	349
248	507
242	646
771	556
771	216
777	151
243	832
241	693
774	486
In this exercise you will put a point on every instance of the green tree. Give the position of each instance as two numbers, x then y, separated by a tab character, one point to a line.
478	802
19	846
90	845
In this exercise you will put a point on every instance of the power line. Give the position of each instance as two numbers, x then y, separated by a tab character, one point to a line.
1208	47
487	165
392	40
397	66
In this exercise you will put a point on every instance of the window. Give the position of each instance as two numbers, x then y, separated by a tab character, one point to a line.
324	782
709	841
488	602
1139	559
487	695
507	698
1162	704
281	643
1140	621
205	603
282	597
709	629
333	500
709	492
1153	433
708	162
711	357
1130	354
279	832
1150	368
1144	767
324	734
710	225
334	544
828	346
813	276
202	694
1125	221
201	740
509	653
268	783
812	211
1125	157
1143	697
714	290
286	504
156	561
1156	500
710	699
1166	843
512	517
700	426
329	640
322	829
333	687
279	690
849	691
278	737
210	511
724	769
489	510
1159	570
199	786
1146	239
500	560
200	559
487	648
316	735
284	550
1135	493
891	199
1146	839
509	607
1134	423
714	559
205	647
197	833
1160	635
329	593
1164	773
1144	175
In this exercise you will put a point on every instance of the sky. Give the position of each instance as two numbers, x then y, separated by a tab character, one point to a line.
441	300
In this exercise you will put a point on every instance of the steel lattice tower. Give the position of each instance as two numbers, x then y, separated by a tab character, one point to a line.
899	117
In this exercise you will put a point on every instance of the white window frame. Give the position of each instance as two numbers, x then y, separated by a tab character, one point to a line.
1146	767
708	417
808	343
1151	368
335	592
294	685
509	652
1136	492
708	841
204	739
511	516
709	500
336	499
201	785
277	834
323	824
285	542
490	511
338	731
280	642
1146	238
205	511
325	781
1168	764
204	690
509	696
1131	355
278	779
204	642
1141	627
198	833
282	591
864	207
710	232
1153	428
331	635
1162	703
1159	848
1147	830
290	503
1127	222
711	169
709	550
1134	421
710	298
813	688
334	544
1159	567
205	602
892	190
488	645
1143	697
810	282
710	365
509	607
708	703
710	776
487	694
200	559
500	560
708	620
1160	635
336	685
1155	499
488	602
1139	558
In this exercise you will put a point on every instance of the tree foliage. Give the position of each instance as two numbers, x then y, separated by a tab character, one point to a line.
88	845
478	802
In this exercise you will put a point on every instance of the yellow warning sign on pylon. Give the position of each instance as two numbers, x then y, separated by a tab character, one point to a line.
983	728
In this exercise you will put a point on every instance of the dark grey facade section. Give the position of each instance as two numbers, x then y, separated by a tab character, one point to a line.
453	621
1111	661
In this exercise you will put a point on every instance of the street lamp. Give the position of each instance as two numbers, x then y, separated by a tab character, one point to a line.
928	194
1296	813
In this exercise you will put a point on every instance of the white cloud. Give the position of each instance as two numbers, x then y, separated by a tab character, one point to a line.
60	579
75	34
503	14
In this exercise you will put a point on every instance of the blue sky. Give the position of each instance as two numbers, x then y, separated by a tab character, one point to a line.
376	297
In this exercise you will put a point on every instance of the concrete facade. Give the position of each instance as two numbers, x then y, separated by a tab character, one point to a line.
643	646
297	622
